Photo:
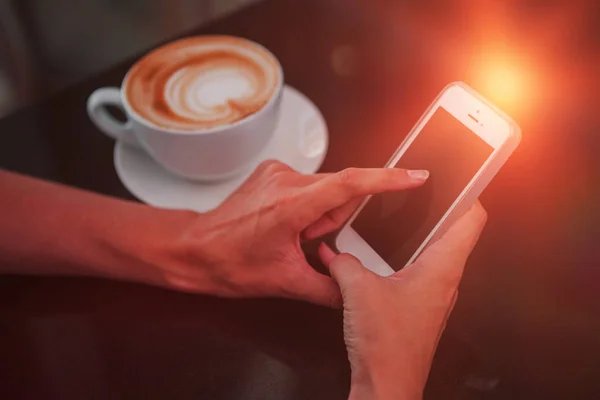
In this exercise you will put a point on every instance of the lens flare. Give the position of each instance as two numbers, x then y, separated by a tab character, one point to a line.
507	81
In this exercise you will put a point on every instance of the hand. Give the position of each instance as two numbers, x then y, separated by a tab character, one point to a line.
250	245
392	324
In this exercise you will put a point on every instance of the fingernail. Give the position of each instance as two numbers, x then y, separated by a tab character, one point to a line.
419	174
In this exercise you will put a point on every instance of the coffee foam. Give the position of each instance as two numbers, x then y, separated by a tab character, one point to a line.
202	82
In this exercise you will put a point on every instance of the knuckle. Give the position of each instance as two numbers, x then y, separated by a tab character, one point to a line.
274	167
267	165
483	215
347	177
479	211
261	169
271	171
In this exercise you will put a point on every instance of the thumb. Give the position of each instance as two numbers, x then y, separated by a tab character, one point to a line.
346	270
318	289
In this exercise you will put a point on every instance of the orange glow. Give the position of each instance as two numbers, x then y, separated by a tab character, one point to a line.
503	82
510	81
523	62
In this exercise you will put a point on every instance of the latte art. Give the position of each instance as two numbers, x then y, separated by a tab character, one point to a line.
203	82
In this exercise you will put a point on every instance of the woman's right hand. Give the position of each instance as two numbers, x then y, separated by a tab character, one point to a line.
392	325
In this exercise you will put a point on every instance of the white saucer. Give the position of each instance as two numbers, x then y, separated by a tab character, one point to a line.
299	141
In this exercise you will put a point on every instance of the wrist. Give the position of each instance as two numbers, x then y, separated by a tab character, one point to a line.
385	384
394	391
146	249
187	255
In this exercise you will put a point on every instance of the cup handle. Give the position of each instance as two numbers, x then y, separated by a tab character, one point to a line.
96	108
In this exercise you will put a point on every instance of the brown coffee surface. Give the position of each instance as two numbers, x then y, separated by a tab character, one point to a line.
202	82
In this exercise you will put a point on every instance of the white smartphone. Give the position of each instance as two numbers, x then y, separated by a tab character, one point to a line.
462	140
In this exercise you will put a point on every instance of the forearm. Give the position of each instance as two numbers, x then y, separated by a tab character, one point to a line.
51	229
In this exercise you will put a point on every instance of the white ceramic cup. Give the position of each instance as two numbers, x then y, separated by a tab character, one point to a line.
203	154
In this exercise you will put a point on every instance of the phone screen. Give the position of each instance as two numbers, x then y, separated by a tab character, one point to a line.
396	224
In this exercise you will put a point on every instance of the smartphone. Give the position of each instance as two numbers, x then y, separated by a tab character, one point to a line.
462	140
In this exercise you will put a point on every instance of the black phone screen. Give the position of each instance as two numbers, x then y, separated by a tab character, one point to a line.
396	224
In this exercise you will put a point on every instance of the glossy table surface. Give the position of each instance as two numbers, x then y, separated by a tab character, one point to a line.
527	322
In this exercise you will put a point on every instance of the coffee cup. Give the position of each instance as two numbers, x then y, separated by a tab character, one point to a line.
203	107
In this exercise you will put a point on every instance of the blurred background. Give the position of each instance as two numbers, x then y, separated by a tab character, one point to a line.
529	310
46	45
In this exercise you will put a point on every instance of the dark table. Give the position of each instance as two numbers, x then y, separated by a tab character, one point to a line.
527	323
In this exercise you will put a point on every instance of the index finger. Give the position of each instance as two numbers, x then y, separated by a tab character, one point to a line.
337	189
